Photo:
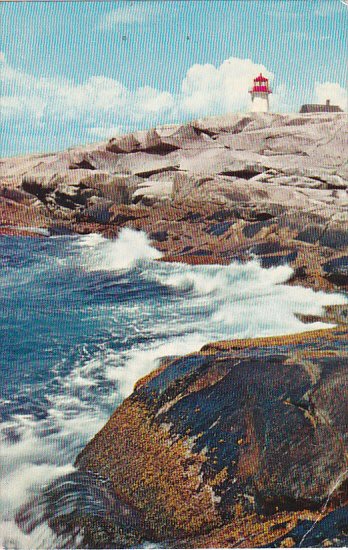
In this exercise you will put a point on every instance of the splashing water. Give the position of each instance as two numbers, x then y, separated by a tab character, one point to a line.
104	255
83	318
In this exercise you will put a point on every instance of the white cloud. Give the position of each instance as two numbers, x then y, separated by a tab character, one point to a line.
211	89
100	106
96	97
332	91
151	100
14	106
96	94
130	13
205	89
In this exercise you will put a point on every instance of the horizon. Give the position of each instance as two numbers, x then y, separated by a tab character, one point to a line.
63	84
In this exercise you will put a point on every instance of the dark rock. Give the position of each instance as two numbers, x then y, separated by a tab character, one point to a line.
300	273
311	234
336	270
159	236
98	213
223	215
332	530
335	238
219	229
85	164
261	418
149	173
266	248
57	230
17	195
278	259
73	196
191	217
120	219
263	216
245	174
31	186
201	252
253	229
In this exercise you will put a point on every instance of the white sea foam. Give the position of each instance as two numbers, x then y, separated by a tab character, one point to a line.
200	304
140	362
213	302
101	254
12	537
242	300
221	279
26	479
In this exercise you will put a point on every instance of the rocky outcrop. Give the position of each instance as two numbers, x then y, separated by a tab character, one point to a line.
236	186
244	428
299	152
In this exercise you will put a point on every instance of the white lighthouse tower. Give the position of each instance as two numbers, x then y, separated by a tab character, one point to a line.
259	94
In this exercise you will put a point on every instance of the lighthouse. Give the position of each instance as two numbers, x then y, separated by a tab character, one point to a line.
259	94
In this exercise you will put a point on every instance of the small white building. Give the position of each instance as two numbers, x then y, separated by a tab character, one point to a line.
259	94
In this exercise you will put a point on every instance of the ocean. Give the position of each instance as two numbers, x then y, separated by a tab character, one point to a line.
82	319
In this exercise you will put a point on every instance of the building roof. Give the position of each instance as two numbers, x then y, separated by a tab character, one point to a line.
260	78
320	108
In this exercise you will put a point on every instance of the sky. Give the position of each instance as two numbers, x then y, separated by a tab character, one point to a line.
80	72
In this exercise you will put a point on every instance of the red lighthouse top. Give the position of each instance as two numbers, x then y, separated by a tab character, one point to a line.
260	85
260	78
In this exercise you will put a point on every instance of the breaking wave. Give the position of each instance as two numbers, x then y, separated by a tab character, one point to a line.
100	254
83	319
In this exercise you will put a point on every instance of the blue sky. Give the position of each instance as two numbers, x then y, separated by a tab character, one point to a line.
78	72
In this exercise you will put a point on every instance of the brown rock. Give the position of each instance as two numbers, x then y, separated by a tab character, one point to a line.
254	423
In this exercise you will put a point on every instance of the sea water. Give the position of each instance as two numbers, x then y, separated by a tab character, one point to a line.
82	318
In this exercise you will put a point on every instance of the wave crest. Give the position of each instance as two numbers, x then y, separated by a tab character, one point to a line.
101	254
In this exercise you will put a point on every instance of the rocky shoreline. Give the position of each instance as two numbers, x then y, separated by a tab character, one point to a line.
213	191
245	442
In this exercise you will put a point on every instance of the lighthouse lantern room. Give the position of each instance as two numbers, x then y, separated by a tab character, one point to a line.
259	94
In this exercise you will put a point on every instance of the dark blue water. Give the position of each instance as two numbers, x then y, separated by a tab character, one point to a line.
83	318
55	313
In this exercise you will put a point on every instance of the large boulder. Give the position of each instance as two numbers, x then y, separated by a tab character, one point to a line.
96	160
123	144
144	164
253	425
155	189
161	140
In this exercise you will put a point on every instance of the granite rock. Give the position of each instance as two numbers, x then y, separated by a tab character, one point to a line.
241	427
